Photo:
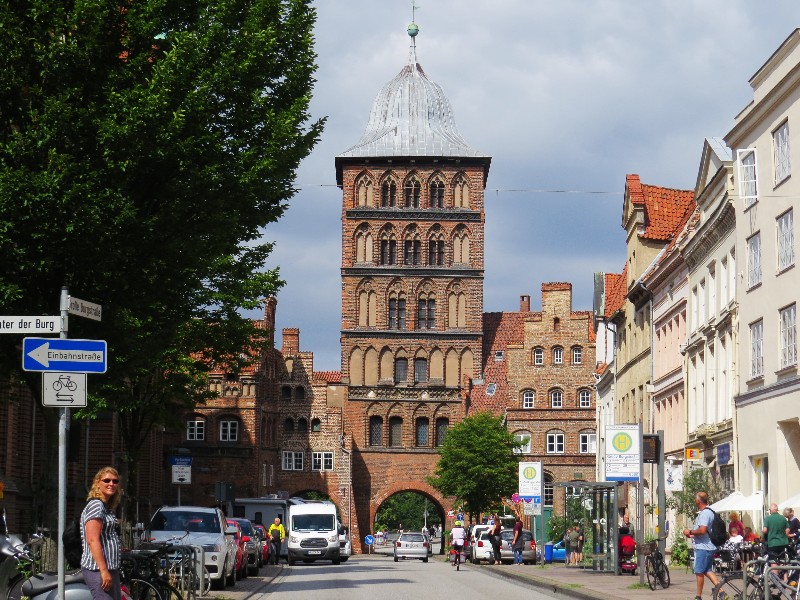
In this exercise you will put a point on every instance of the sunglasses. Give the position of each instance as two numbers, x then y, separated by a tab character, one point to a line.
115	481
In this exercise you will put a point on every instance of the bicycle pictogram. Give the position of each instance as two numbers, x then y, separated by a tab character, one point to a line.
64	381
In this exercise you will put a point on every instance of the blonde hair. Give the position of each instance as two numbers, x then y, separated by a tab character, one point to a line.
94	491
734	516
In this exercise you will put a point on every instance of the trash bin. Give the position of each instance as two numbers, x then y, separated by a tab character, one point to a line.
548	552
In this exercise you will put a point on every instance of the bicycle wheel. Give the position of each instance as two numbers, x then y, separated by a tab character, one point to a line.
650	571
663	574
138	589
729	587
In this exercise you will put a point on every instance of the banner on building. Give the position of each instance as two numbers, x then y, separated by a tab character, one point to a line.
623	452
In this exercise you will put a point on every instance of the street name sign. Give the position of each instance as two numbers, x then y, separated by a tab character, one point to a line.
64	355
82	308
27	325
64	390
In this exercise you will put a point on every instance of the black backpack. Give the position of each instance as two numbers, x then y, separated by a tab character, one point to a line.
717	532
73	543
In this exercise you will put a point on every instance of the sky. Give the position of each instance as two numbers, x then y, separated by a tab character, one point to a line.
566	96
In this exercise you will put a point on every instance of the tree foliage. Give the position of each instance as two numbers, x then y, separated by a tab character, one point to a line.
408	509
695	480
477	464
143	147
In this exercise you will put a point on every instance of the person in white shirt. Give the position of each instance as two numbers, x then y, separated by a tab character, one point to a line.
457	536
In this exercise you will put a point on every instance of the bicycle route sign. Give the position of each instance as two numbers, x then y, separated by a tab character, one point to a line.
63	355
64	390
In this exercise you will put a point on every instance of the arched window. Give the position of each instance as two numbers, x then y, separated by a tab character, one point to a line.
556	398
388	194
412	247
577	355
412	193
555	442
286	392
196	429
442	425
302	425
388	249
421	432
420	370
461	192
376	431
436	250
558	355
528	399
461	248
367	308
584	399
300	393
364	247
437	194
548	490
401	370
524	439
426	312
288	426
364	192
395	432
397	311
538	356
456	310
316	425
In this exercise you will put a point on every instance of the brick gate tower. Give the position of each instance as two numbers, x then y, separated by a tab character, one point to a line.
412	286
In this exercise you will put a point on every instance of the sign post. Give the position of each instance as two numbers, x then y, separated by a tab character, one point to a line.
181	472
530	490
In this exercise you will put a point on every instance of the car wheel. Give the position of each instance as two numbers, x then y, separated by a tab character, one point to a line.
218	584
395	559
290	560
344	558
425	559
252	569
337	561
230	580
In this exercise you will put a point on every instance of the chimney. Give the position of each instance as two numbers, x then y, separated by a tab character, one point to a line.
291	341
524	303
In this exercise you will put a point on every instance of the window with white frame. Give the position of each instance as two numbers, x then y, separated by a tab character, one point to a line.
229	431
538	356
754	260
785	231
757	349
524	439
558	355
557	399
780	144
587	443
555	443
789	336
292	461
577	355
585	399
748	182
195	430
528	399
322	461
548	490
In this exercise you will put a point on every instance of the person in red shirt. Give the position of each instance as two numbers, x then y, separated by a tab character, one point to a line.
733	521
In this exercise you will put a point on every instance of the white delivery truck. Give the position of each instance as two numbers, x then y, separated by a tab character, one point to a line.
264	510
313	532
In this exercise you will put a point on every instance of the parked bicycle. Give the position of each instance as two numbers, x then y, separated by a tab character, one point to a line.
654	565
758	574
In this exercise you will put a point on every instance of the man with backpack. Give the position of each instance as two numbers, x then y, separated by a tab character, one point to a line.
704	548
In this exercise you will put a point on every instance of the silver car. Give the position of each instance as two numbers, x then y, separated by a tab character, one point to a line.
529	554
411	545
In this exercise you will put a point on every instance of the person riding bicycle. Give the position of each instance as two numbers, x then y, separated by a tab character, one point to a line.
457	536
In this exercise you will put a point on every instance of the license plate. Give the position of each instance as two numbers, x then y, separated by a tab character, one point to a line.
315	551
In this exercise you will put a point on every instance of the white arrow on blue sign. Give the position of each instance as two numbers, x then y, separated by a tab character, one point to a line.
64	355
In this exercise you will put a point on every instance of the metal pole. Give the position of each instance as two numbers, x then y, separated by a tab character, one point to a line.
640	509
63	424
662	493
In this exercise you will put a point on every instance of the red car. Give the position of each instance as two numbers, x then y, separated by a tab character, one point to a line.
265	537
240	567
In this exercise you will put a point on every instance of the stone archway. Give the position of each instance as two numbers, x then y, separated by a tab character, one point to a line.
438	503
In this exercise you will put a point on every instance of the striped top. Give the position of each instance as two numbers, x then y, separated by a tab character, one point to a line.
109	539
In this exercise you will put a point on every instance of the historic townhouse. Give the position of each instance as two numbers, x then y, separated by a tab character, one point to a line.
709	344
764	143
538	372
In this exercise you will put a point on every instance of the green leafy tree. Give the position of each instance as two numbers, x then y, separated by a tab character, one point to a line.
477	464
144	146
407	508
695	480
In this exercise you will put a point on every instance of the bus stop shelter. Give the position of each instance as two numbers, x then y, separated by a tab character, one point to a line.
593	505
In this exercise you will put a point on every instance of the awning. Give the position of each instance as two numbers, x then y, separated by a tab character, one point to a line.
739	502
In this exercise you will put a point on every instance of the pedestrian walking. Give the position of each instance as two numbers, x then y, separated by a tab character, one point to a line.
101	544
704	548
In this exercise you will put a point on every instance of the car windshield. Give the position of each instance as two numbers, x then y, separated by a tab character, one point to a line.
180	520
246	526
412	537
313	522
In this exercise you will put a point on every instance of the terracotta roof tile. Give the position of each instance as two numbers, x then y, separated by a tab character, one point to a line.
329	376
665	208
499	330
615	291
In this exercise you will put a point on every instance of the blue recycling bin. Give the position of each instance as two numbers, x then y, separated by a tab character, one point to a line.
548	552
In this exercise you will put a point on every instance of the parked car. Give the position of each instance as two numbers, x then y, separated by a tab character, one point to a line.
475	536
529	554
345	545
253	545
411	545
241	550
559	552
264	535
200	526
482	549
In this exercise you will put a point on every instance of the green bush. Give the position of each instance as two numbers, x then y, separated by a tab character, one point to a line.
680	551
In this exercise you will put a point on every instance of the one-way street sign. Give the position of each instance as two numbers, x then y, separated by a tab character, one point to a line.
64	355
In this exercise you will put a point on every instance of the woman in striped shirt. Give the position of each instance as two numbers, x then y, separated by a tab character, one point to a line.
101	543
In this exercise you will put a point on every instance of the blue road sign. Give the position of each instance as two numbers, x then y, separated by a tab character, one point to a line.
369	540
66	356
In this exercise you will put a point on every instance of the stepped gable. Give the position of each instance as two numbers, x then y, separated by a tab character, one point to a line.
499	330
665	208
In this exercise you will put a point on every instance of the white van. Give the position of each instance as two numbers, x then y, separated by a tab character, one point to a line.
313	532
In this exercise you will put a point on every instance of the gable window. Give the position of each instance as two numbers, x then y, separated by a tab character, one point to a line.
785	227
558	355
757	349
397	313
389	194
376	431
754	260
229	431
195	430
555	443
322	461
300	393
420	370
557	399
528	399
442	425
524	439
421	432
302	425
288	426
788	336
395	431
585	399
292	461
747	177
780	142
587	443
286	392
491	389
316	425
538	356
577	355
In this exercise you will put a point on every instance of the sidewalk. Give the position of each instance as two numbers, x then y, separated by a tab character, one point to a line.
573	582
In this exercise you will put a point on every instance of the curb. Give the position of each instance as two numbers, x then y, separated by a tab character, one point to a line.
554	587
